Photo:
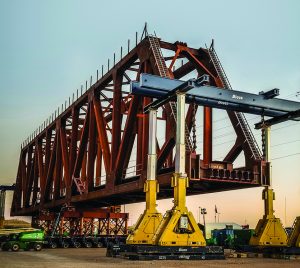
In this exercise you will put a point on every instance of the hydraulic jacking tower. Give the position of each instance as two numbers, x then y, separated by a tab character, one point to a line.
178	227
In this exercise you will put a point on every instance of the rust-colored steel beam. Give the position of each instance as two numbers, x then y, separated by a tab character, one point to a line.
117	118
94	153
207	136
102	134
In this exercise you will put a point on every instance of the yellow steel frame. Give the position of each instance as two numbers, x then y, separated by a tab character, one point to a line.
169	232
269	230
149	221
178	227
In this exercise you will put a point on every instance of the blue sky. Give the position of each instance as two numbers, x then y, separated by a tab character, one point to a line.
49	48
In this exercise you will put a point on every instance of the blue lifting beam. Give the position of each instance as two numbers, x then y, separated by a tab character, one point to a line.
197	91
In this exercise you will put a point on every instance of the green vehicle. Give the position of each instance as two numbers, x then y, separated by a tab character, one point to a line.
24	240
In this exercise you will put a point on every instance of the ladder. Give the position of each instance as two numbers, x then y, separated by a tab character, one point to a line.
242	121
80	185
159	59
163	72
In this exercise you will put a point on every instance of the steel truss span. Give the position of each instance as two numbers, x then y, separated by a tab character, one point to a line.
94	154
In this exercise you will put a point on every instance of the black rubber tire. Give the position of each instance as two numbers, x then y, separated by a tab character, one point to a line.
65	245
15	247
98	245
38	246
88	244
53	245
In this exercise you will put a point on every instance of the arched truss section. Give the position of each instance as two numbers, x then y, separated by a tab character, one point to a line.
95	152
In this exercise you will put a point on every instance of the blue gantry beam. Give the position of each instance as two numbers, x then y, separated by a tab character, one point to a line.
221	98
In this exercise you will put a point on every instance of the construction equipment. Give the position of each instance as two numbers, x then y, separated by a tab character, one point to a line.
58	163
177	235
178	227
25	240
269	230
231	238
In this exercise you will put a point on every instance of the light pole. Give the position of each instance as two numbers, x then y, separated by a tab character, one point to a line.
199	213
203	212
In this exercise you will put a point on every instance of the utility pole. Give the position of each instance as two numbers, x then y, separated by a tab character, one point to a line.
204	212
285	211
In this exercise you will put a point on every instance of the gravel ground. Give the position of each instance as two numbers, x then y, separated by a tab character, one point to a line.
57	258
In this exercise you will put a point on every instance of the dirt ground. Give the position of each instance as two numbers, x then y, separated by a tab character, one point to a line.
75	258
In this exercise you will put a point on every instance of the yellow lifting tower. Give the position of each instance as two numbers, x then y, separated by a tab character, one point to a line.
269	230
178	227
148	222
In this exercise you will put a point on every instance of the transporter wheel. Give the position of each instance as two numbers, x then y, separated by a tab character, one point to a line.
38	247
98	245
77	244
65	244
53	244
15	247
88	244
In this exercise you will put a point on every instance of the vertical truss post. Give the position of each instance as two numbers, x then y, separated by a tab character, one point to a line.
207	136
178	227
149	221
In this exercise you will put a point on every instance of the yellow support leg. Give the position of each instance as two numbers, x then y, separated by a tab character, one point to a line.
149	221
294	237
178	227
269	230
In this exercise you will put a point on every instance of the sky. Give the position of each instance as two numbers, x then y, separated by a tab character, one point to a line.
49	48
